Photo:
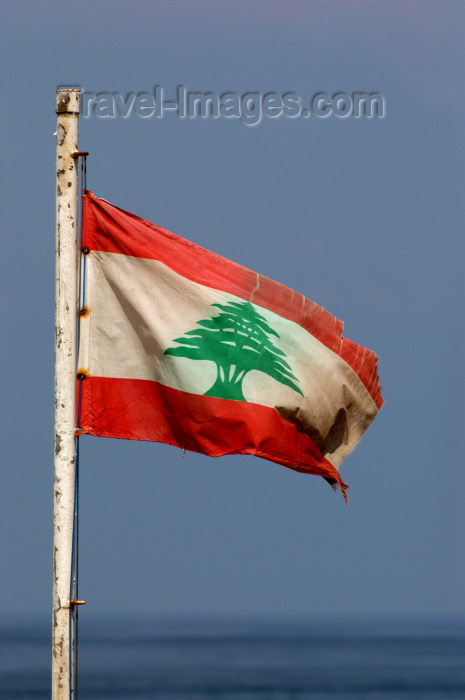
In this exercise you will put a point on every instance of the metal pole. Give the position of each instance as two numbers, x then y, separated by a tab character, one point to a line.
66	304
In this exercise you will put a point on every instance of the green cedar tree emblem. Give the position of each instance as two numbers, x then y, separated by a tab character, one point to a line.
237	341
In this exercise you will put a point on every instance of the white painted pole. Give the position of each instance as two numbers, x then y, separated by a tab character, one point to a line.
66	305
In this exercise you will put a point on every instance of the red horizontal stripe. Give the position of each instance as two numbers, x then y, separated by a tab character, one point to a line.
136	409
110	229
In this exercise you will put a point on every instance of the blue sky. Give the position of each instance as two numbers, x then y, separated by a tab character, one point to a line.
364	216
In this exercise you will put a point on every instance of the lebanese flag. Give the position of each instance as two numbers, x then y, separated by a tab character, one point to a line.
181	346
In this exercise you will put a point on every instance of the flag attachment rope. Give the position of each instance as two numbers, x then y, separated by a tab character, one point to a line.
75	602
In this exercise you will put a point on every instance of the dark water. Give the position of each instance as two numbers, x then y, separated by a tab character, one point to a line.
133	660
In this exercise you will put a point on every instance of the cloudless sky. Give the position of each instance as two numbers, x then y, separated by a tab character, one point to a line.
364	216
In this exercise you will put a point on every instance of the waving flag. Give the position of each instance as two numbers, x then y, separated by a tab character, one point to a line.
181	346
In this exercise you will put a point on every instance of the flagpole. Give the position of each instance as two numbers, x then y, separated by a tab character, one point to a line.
66	304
